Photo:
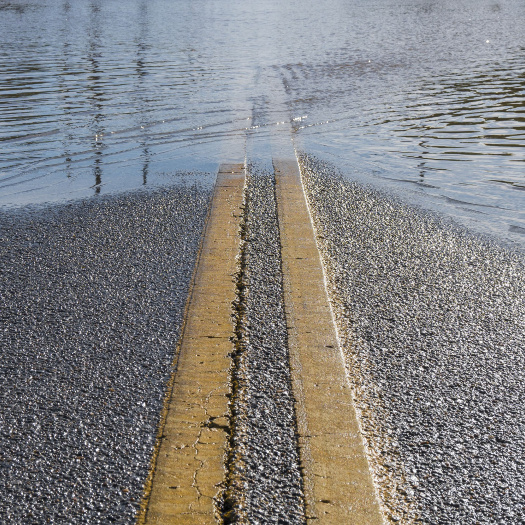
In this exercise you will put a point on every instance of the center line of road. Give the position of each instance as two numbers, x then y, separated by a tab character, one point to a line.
337	483
190	467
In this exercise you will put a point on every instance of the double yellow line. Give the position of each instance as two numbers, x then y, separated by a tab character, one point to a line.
189	470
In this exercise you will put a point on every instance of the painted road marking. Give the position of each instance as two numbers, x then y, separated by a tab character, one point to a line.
190	465
337	482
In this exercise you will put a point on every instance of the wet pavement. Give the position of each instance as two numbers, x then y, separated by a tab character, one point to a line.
405	105
432	323
430	319
265	484
92	297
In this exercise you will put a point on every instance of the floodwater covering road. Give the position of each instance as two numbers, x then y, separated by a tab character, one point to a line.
423	96
407	118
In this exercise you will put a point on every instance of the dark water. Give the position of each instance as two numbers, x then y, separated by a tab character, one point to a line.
426	97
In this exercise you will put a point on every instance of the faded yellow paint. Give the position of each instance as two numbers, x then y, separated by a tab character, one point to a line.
190	464
337	481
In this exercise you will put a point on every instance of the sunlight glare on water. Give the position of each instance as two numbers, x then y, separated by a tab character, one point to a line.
423	96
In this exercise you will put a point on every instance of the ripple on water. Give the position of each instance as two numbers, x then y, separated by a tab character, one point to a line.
98	96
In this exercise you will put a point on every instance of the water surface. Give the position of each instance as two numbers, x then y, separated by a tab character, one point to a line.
424	97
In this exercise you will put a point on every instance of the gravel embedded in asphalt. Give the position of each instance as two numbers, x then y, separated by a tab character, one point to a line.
432	320
431	317
92	296
269	486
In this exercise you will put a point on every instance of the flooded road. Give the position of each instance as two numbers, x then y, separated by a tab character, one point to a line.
387	103
423	97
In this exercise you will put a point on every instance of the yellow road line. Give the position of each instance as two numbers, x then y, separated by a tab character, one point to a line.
190	466
337	482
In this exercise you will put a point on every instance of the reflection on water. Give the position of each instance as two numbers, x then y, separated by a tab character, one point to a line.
463	117
105	95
